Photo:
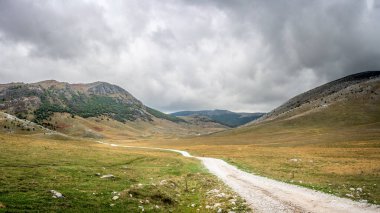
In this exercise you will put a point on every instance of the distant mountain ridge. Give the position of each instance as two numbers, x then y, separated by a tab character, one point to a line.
225	117
38	101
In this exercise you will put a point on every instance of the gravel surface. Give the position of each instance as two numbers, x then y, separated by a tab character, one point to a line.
267	195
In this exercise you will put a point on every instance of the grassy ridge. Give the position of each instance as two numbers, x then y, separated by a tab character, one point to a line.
159	114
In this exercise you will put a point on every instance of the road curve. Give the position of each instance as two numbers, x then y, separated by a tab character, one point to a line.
267	195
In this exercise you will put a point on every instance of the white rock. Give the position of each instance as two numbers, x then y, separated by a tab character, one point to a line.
213	191
349	195
193	205
112	204
219	210
207	207
107	176
217	205
115	197
57	194
359	189
221	195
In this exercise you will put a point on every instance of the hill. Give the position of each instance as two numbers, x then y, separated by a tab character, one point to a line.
224	117
336	91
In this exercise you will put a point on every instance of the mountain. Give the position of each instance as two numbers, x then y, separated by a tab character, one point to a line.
349	87
224	117
37	101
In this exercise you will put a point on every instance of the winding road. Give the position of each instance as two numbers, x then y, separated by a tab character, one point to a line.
267	195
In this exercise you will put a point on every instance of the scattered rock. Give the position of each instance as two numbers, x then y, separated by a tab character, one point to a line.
112	204
216	205
221	195
207	207
193	205
295	160
233	201
219	210
98	174
115	197
349	195
57	194
213	191
352	189
142	208
107	176
157	207
359	189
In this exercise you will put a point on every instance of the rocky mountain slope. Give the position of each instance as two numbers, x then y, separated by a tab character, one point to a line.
38	101
224	117
352	86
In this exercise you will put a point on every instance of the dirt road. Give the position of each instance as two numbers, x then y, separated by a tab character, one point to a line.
267	195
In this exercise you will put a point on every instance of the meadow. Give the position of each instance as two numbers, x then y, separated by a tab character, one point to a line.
141	180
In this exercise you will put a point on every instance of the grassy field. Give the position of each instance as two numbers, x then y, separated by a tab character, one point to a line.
335	150
151	181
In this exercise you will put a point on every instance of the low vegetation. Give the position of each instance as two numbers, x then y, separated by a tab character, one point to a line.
93	177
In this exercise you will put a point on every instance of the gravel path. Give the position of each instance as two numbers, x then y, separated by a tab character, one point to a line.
267	195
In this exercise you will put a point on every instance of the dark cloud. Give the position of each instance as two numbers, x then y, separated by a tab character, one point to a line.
244	55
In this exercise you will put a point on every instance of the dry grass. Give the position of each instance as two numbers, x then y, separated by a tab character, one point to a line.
30	167
337	148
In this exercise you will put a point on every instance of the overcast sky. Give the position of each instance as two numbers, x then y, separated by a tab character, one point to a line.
241	55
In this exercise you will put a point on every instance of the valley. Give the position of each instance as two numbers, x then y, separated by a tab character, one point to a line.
326	139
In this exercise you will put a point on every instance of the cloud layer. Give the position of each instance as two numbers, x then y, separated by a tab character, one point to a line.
243	55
